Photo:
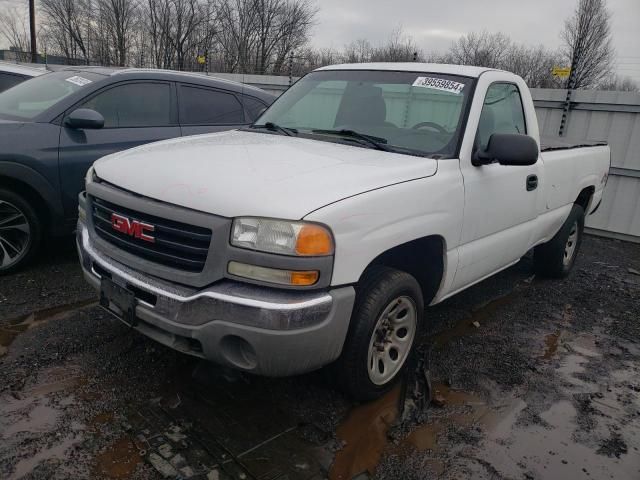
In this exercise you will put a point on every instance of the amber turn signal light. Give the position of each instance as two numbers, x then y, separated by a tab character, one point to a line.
314	240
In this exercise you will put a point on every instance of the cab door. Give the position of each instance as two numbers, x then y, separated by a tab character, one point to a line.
501	202
135	112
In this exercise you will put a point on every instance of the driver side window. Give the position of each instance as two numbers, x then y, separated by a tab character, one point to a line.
502	112
133	105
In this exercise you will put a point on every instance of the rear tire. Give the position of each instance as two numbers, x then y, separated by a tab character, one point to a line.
386	319
556	258
20	232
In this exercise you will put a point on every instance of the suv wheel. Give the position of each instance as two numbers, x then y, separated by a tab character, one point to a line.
20	231
386	319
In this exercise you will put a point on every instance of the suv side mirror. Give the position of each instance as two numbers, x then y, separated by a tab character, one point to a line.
508	149
84	118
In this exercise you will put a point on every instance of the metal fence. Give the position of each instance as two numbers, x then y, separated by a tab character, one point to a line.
610	116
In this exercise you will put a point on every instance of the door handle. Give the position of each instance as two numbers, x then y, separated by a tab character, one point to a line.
532	182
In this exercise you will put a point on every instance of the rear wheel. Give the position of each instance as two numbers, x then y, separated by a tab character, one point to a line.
556	257
20	231
385	321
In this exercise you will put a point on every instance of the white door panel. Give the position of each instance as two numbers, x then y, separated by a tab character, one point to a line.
500	211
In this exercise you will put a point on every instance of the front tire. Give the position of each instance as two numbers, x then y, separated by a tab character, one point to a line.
386	319
20	232
556	258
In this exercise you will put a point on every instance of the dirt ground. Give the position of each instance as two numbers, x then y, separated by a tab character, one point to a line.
531	378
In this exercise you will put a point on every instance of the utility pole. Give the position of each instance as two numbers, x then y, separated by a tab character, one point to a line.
32	28
570	84
291	67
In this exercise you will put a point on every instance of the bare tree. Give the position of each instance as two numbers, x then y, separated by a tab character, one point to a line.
533	64
14	29
158	20
238	33
68	25
358	51
298	17
480	49
118	19
587	43
398	48
619	84
189	17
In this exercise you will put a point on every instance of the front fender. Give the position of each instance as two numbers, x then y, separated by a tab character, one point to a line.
367	225
36	181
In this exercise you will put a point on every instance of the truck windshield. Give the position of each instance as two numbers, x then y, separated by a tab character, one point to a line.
406	112
29	99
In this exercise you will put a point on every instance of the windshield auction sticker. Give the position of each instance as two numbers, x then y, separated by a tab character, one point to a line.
439	84
80	81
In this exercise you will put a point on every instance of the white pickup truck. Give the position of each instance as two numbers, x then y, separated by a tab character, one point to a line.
320	233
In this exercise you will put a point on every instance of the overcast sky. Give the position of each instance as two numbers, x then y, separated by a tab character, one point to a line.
435	24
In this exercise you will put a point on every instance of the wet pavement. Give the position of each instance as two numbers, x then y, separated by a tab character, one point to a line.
531	379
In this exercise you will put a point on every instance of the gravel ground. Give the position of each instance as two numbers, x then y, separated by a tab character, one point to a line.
531	379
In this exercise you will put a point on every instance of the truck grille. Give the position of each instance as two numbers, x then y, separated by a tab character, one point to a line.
175	245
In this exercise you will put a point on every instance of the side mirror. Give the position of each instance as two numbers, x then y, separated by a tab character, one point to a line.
84	118
508	149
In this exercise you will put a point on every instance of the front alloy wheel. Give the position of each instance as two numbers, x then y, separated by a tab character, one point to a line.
15	235
20	231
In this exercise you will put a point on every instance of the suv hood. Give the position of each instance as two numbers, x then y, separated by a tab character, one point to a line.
258	174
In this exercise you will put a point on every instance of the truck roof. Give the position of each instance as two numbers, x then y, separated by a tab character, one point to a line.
448	69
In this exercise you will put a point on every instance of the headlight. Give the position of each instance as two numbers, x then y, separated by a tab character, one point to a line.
282	237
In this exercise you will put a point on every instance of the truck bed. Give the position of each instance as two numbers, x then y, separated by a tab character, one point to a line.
550	143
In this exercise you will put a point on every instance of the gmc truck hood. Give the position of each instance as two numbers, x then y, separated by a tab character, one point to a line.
250	173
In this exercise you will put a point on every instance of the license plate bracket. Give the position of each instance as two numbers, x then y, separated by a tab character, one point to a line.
125	301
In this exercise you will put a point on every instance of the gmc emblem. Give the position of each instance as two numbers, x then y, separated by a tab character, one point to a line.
133	228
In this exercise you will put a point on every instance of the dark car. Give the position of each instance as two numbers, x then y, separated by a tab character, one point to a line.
12	74
53	127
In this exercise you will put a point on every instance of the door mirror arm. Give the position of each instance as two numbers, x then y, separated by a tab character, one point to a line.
481	157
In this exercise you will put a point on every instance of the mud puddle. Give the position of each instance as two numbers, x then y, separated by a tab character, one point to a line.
119	460
56	452
10	329
584	432
365	431
364	436
36	413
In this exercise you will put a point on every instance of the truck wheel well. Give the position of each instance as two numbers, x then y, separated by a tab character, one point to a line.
30	194
423	258
585	197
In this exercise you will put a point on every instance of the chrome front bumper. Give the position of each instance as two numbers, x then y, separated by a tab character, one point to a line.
258	329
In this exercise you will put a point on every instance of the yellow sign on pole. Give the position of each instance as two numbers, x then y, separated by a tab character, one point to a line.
201	59
561	72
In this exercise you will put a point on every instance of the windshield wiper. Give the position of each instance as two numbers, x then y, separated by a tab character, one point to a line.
277	128
378	143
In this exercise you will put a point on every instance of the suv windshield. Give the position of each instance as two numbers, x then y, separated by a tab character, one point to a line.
29	99
407	112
